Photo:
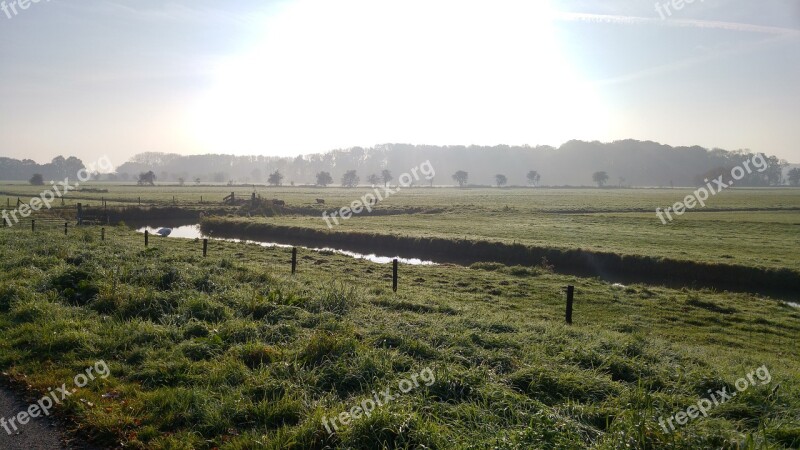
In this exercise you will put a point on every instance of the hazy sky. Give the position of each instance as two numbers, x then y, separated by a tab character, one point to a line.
95	77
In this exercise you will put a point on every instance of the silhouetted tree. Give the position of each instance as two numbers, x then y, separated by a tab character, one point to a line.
775	170
533	177
461	178
147	178
501	180
386	176
794	177
275	178
37	179
600	178
373	179
324	179
350	179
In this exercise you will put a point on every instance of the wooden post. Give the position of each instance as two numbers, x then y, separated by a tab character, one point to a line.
140	201
570	297
66	226
146	237
80	213
294	260
394	275
33	225
205	248
102	234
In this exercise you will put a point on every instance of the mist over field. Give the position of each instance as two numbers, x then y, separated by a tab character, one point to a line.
628	163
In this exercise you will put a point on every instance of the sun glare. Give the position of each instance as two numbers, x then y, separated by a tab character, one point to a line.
362	72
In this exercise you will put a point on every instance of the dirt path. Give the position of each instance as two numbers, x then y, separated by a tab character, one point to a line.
38	434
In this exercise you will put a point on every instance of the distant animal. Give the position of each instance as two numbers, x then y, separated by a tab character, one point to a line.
276	202
164	232
320	201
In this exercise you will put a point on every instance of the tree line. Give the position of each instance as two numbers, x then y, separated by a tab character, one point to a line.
575	163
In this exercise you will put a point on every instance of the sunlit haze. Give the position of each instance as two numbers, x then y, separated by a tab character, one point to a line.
307	76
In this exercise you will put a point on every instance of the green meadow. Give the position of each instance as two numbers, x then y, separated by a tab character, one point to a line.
232	351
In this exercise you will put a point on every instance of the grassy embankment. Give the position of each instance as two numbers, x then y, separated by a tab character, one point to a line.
231	351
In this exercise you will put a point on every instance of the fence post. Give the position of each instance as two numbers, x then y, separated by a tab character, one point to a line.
205	247
146	237
570	297
33	225
394	275
80	213
140	201
102	234
66	226
294	260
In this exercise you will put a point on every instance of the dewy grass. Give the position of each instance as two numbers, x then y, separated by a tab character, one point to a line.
232	352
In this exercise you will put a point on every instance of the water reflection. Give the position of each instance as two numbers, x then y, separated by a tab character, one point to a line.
193	232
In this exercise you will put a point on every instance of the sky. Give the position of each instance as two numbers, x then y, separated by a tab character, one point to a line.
93	78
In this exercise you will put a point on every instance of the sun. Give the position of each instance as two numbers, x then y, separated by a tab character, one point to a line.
329	75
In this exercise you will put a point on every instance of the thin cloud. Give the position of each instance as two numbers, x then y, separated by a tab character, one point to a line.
688	62
679	23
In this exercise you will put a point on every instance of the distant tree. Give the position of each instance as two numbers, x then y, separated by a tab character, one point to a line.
197	181
275	178
600	178
794	177
147	178
324	179
775	170
350	179
430	180
461	178
533	177
373	179
386	176
181	181
501	180
219	177
125	176
37	179
256	175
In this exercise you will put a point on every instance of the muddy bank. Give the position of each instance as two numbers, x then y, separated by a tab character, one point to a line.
608	266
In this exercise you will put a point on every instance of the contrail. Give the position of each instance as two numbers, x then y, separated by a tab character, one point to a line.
681	23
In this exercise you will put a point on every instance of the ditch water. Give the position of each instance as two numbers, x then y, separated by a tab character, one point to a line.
193	232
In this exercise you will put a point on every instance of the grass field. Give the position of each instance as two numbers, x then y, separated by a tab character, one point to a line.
750	227
232	351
